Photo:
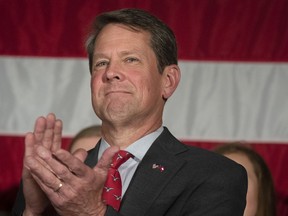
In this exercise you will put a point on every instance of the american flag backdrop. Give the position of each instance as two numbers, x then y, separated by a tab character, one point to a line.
233	57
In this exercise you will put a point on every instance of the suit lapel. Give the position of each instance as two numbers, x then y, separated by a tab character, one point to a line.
149	180
92	158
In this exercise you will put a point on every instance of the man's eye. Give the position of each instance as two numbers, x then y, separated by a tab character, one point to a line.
131	59
100	64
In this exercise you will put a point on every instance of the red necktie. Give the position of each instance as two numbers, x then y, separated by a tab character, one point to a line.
112	190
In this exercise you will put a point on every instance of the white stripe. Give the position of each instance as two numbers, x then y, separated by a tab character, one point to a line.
230	101
31	87
215	100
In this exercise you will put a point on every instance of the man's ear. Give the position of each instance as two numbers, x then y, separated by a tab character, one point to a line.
171	78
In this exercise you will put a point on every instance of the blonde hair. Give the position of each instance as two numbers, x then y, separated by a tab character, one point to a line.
91	131
266	194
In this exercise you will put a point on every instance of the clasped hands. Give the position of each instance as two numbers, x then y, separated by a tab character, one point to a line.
52	177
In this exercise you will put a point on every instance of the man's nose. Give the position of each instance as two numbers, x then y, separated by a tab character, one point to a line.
114	72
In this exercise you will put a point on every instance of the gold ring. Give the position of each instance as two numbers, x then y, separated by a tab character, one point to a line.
57	189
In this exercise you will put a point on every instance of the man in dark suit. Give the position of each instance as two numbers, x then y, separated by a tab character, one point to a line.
133	66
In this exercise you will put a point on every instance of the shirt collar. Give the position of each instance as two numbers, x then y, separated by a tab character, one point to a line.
138	148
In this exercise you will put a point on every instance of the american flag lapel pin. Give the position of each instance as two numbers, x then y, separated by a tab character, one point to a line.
158	167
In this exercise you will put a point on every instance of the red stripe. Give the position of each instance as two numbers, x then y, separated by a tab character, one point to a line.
11	159
206	30
11	163
12	151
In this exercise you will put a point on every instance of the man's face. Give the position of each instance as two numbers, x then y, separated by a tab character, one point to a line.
125	83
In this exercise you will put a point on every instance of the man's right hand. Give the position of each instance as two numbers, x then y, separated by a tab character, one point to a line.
48	133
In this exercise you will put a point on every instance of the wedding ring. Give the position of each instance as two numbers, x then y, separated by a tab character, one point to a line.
57	189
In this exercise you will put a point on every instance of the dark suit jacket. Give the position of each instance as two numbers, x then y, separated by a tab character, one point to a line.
194	182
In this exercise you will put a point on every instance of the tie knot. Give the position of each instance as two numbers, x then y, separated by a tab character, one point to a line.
119	158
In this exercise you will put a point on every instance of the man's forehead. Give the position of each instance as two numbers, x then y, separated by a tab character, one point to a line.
120	29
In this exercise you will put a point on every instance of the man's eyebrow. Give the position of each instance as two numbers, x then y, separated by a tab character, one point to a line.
139	52
122	53
127	52
99	55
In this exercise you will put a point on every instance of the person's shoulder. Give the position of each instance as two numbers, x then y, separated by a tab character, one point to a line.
196	155
212	162
209	166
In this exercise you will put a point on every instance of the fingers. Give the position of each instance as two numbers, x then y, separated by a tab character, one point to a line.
30	153
81	154
29	144
70	164
42	174
65	179
39	129
50	173
71	168
48	132
106	159
57	135
62	164
68	188
56	171
40	181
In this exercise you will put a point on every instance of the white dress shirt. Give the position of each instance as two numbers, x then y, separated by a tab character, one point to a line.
138	149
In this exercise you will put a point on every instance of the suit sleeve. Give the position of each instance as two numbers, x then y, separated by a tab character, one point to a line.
19	204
